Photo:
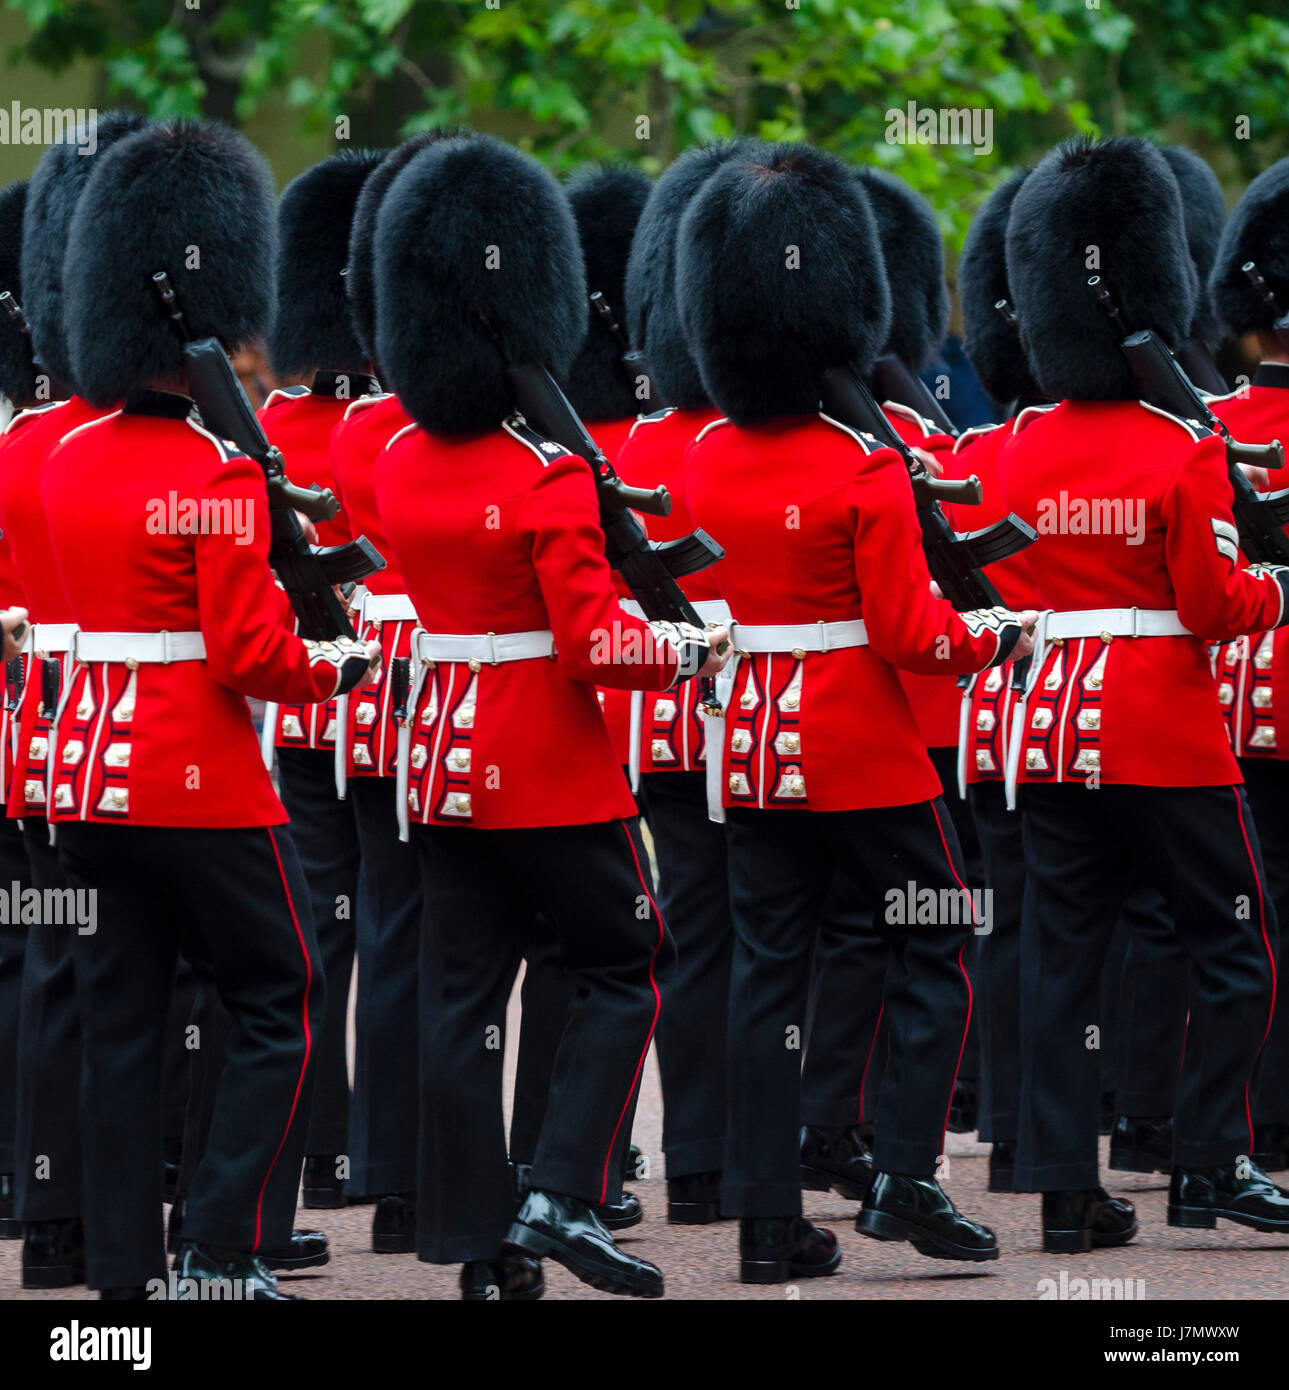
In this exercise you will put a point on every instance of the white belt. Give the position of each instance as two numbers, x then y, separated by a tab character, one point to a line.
748	639
159	648
488	648
1070	626
52	638
387	608
709	610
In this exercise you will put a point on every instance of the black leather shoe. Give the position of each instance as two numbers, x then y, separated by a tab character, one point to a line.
53	1254
128	1293
918	1210
964	1108
250	1275
10	1226
1271	1147
1002	1165
694	1199
1141	1144
1238	1191
619	1215
507	1279
323	1190
305	1250
393	1227
774	1249
1076	1220
567	1230
836	1158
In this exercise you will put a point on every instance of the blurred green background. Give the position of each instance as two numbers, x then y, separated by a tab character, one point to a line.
572	79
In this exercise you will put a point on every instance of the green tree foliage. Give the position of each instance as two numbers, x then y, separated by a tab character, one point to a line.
580	79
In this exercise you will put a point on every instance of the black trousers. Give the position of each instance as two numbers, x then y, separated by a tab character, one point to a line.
591	883
383	1115
1267	784
781	863
848	1037
48	1178
693	893
545	998
14	868
1153	990
844	1011
997	975
1084	849
235	900
325	834
178	1055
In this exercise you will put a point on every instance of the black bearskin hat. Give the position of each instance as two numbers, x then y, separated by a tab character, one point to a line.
1256	231
653	316
606	200
194	199
312	328
17	374
1110	208
52	195
477	266
1204	209
780	276
993	344
914	253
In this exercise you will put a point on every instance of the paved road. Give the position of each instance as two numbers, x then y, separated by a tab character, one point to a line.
701	1262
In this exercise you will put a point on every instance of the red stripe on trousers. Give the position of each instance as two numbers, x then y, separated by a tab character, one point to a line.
957	1066
308	1037
657	1004
1271	959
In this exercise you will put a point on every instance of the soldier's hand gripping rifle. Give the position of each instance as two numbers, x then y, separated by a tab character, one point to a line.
307	573
632	361
1259	518
649	568
956	560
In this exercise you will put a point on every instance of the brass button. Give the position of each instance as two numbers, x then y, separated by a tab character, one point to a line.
1107	637
798	786
120	796
131	663
792	701
734	783
475	664
798	652
463	804
792	743
657	748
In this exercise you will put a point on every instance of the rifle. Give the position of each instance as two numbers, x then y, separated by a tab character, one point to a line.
893	381
1198	364
632	360
1259	518
650	568
307	573
956	560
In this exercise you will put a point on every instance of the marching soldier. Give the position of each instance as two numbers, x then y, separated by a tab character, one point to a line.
825	573
1251	672
18	386
311	340
163	806
49	1159
1114	777
670	732
496	529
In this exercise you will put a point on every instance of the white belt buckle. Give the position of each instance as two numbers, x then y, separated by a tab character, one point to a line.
1135	612
493	659
823	635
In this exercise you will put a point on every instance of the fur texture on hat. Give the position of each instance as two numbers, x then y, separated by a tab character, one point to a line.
1257	231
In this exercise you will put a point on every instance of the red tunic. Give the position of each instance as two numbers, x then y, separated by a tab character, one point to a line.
169	744
1253	672
371	731
299	421
819	525
496	534
985	731
1133	509
30	438
935	699
671	728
